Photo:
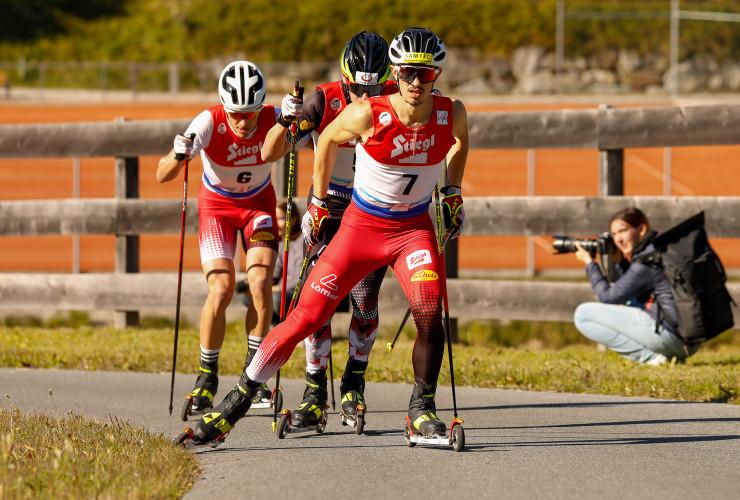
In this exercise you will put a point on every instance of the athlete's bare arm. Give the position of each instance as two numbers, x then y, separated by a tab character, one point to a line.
355	122
275	145
458	154
168	168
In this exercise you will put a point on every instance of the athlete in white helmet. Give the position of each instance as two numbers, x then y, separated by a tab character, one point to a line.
404	139
235	195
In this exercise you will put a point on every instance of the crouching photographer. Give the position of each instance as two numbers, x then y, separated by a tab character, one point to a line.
626	318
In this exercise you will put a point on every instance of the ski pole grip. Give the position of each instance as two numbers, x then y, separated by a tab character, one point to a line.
181	156
297	92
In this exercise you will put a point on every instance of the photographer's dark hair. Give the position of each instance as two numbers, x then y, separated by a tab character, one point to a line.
632	216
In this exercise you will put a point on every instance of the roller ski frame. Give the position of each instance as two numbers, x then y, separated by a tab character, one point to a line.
276	401
188	440
284	426
358	422
456	438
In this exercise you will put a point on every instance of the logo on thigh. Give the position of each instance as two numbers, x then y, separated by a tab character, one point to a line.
326	285
418	258
262	222
424	275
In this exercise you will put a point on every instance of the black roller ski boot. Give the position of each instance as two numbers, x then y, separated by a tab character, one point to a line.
201	398
423	412
214	425
311	409
263	397
352	390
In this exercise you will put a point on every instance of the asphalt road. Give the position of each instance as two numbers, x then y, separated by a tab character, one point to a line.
518	444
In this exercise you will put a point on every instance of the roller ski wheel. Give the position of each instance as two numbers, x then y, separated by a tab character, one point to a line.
285	426
457	435
188	439
456	438
356	420
187	408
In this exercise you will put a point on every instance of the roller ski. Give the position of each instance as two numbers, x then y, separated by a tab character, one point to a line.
214	426
352	389
188	440
422	425
268	399
311	414
200	400
264	398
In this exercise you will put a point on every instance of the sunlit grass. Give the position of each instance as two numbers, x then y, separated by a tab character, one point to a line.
506	355
71	456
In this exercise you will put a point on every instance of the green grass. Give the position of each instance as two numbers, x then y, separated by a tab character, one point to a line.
45	456
507	355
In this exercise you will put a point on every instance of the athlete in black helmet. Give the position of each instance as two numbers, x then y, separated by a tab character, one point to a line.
365	70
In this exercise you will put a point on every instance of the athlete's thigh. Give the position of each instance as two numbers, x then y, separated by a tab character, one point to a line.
216	236
352	253
419	268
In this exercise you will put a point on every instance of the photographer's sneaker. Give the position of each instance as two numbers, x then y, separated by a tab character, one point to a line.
657	360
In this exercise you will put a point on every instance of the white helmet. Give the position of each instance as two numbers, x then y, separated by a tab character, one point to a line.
241	87
418	46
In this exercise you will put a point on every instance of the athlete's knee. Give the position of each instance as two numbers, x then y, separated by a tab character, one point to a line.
220	293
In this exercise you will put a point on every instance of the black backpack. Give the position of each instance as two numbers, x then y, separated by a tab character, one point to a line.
697	280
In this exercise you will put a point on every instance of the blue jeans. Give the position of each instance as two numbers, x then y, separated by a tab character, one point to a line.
629	331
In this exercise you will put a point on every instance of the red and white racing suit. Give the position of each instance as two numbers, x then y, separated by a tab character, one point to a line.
386	224
235	191
319	110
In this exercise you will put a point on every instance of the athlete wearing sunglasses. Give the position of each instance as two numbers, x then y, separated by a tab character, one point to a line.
402	143
425	74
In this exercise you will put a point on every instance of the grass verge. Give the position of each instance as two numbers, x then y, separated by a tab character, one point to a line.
45	456
519	360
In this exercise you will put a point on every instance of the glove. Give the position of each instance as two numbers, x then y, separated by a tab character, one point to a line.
183	147
453	210
313	220
291	108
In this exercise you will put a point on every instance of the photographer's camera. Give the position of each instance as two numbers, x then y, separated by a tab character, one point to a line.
603	244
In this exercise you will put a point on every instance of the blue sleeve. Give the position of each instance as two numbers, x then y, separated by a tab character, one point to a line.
636	281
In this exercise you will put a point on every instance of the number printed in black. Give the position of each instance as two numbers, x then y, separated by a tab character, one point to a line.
412	178
244	177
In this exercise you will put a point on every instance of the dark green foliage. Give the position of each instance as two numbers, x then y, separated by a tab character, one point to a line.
199	30
29	20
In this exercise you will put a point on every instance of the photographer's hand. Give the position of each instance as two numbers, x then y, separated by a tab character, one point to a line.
583	255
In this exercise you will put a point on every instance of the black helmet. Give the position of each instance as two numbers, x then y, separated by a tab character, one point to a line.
418	46
365	60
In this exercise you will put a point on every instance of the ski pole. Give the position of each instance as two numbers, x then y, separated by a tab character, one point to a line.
449	339
439	218
443	241
391	345
297	290
288	212
179	273
331	377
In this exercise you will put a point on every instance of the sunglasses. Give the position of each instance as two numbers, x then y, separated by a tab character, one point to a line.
425	74
244	116
360	90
